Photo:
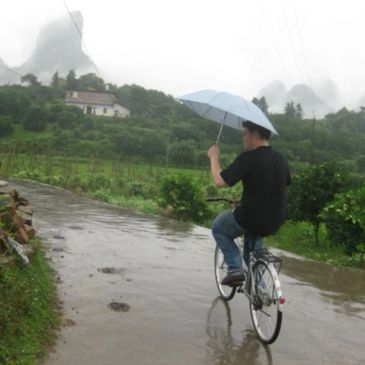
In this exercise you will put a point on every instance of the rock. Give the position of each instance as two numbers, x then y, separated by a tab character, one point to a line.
30	231
3	184
25	209
26	217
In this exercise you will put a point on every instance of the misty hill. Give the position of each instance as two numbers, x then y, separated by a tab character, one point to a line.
312	105
328	91
362	101
277	97
5	75
58	48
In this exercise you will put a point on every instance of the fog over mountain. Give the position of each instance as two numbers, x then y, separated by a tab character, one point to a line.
58	48
315	104
362	101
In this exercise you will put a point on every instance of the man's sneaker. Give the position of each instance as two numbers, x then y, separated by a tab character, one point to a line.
233	278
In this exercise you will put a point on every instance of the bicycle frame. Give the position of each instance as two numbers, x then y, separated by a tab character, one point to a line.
248	287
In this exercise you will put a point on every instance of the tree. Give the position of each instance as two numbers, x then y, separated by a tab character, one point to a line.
183	195
6	127
345	220
90	80
262	104
66	116
55	80
31	79
289	110
312	190
71	81
299	111
35	119
360	161
183	153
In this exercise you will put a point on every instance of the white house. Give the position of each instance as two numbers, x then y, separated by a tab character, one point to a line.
96	103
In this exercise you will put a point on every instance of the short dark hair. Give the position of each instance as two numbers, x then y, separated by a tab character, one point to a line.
261	131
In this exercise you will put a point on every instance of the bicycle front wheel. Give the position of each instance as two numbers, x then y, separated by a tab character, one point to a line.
265	307
221	269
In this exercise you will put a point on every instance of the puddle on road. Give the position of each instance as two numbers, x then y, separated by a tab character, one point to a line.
342	287
174	320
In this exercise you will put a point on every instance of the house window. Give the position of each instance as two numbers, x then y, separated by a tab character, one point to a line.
105	110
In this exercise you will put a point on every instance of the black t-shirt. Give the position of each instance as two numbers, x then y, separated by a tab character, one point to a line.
264	174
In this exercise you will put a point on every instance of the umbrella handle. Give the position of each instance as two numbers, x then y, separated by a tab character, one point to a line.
221	128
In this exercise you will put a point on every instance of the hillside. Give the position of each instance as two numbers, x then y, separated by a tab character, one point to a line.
162	131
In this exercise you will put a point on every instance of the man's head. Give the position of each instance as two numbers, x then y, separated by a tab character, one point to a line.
254	136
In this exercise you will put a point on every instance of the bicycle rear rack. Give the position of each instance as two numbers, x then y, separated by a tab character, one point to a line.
267	256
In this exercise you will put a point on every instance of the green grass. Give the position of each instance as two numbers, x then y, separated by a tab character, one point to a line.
28	310
298	238
20	134
136	186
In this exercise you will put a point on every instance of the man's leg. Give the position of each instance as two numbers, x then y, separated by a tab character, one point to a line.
252	243
225	229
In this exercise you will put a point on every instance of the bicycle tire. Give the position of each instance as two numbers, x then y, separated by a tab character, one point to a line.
220	271
265	308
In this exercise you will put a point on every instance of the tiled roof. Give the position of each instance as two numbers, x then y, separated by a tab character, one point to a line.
90	97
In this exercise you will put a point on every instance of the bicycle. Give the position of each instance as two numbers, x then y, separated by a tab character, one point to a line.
261	286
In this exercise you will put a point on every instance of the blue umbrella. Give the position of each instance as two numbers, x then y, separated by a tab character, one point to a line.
226	109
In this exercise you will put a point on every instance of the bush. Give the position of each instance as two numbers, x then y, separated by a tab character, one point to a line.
98	182
6	127
184	196
345	220
35	120
312	189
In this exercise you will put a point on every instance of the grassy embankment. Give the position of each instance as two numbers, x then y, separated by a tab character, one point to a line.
28	310
136	186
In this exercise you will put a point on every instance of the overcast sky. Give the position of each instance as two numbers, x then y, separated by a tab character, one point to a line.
180	46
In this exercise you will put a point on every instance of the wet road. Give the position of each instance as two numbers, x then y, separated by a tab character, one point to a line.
163	270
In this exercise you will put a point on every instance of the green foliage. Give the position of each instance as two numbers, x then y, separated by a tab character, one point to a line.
183	153
91	81
97	182
35	119
66	116
6	127
27	311
14	101
360	161
345	220
183	194
161	130
292	111
31	79
312	189
297	237
71	81
55	79
262	104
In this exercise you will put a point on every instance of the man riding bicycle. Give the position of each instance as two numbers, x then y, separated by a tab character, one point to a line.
265	174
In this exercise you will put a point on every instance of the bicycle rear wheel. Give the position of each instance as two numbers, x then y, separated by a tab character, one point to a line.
220	270
265	307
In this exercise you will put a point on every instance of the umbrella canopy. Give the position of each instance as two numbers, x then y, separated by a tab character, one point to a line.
227	109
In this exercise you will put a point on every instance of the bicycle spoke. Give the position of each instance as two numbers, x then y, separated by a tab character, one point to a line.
265	313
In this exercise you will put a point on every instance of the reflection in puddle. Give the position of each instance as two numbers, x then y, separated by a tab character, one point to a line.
224	348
